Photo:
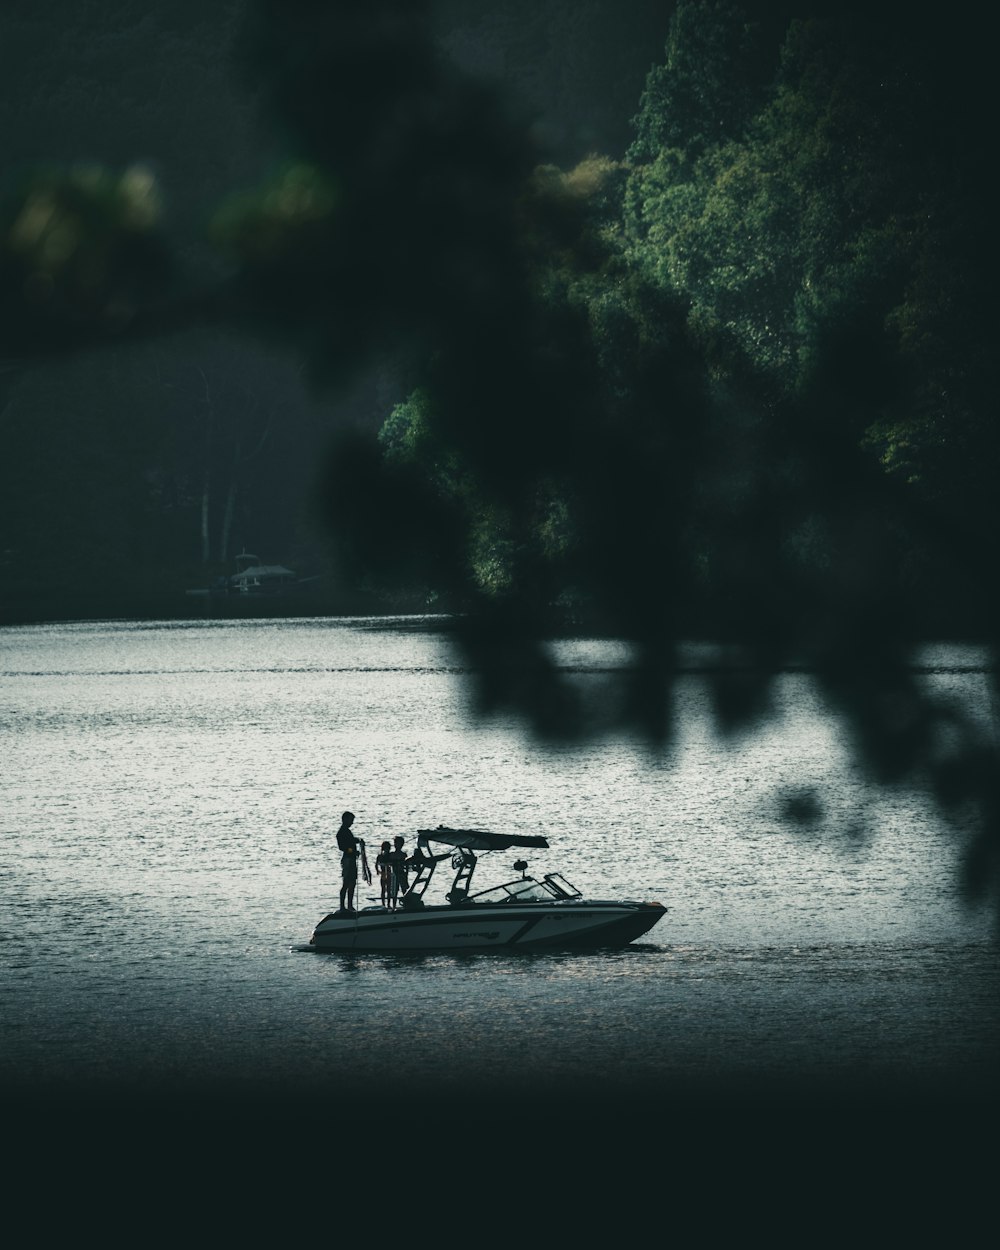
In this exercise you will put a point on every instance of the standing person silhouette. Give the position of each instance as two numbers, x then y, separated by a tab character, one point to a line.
383	866
400	879
350	848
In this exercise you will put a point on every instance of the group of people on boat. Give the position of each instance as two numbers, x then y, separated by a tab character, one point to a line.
392	865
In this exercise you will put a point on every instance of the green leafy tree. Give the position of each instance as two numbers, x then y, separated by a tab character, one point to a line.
715	67
835	208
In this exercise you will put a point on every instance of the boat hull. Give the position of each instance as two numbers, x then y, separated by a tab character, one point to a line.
477	927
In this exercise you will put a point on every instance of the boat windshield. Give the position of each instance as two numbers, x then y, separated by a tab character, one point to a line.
524	889
562	888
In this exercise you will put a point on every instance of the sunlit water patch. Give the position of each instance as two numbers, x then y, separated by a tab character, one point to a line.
170	794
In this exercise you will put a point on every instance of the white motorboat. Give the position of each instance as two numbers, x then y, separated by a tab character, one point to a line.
523	914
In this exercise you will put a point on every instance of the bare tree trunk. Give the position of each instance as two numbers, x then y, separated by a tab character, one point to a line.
206	550
227	519
206	489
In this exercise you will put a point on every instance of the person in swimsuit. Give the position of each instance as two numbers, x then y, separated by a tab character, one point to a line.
383	866
349	853
397	860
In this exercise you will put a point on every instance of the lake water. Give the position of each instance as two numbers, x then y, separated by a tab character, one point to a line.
170	797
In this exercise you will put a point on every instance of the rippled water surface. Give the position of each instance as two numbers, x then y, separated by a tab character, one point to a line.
170	795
